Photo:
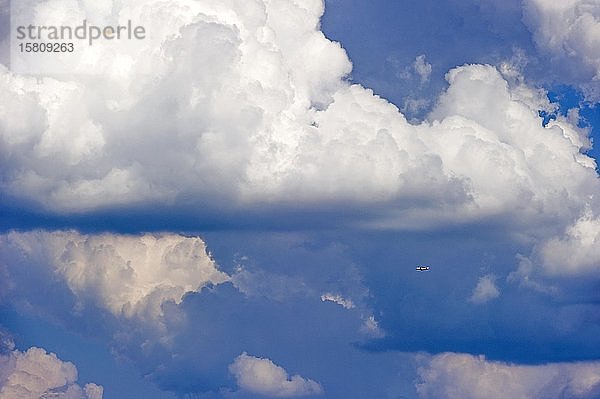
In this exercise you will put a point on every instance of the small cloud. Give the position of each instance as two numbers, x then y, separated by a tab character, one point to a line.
512	69
7	344
414	105
261	283
525	277
337	298
371	328
422	68
262	376
485	290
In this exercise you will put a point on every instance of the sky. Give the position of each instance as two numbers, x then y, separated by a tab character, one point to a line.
234	204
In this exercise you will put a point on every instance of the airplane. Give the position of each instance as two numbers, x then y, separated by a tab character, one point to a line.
422	268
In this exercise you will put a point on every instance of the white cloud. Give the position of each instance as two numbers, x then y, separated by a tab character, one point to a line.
414	105
569	31
262	376
513	68
422	68
525	275
485	290
271	285
36	374
576	252
230	104
82	280
495	141
370	327
129	276
340	300
462	376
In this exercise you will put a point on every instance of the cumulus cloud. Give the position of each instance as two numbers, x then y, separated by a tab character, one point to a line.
485	290
577	251
454	376
236	104
119	288
571	254
494	136
35	374
231	105
262	376
130	276
569	31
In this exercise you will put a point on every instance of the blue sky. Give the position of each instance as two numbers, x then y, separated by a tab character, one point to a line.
235	206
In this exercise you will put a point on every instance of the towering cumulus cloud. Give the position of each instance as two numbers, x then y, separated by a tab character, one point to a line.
240	103
130	276
228	110
160	301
